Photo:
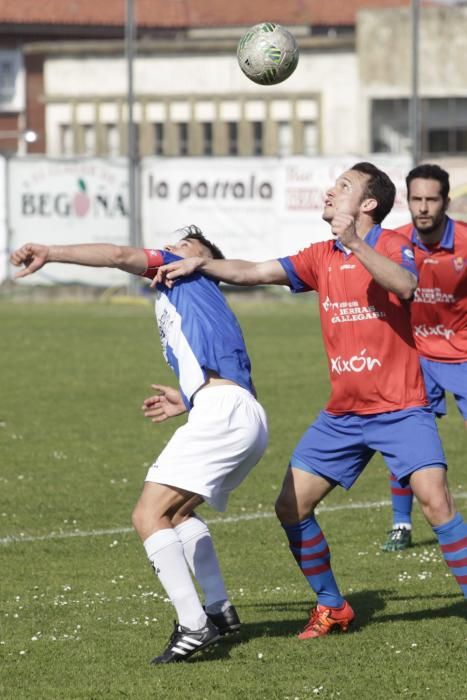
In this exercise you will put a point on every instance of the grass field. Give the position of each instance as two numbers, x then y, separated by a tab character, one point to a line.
81	612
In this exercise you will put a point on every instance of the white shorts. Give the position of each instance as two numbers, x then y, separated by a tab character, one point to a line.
225	436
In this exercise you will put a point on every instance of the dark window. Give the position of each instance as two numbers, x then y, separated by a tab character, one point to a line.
159	139
232	135
207	138
7	81
183	139
443	126
257	138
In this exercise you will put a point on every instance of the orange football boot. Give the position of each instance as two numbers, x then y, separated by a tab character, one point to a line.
324	620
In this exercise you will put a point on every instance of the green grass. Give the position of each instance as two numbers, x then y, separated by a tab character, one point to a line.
81	616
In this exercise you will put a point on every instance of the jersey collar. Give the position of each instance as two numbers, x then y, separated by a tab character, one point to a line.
371	238
447	240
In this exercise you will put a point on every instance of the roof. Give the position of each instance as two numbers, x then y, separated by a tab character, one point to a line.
187	13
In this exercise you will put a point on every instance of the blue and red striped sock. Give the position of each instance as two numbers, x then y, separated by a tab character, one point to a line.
452	537
402	501
310	549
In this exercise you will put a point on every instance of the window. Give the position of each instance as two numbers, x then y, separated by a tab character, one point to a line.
284	139
232	136
89	140
158	138
443	126
310	139
390	126
112	140
207	139
257	138
182	139
66	140
7	80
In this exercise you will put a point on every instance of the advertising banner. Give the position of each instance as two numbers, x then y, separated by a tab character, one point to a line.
254	208
66	202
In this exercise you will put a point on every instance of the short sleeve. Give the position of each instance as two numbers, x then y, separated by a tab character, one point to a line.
302	269
399	248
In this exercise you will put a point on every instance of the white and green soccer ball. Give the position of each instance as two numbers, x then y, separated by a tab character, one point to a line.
267	53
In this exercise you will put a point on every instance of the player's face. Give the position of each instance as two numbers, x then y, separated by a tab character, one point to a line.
346	195
188	248
427	206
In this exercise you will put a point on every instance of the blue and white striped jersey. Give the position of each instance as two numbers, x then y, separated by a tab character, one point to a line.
199	332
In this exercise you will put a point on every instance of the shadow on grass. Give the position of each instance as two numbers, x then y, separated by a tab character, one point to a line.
294	615
428	542
450	609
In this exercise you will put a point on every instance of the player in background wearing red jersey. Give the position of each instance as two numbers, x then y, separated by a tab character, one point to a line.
365	279
439	314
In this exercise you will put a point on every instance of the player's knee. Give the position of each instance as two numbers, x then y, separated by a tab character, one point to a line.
288	510
438	509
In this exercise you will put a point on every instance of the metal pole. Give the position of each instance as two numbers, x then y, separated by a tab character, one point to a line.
132	153
414	107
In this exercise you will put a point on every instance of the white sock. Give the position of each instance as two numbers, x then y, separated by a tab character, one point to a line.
165	552
402	526
201	556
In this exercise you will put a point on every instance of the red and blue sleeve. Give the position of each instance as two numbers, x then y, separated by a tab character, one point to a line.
399	248
301	269
155	259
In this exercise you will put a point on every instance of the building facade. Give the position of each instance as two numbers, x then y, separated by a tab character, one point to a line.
67	81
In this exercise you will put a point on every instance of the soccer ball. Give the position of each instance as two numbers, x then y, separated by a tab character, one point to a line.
267	53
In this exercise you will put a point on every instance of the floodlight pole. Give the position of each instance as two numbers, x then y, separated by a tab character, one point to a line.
414	106
132	152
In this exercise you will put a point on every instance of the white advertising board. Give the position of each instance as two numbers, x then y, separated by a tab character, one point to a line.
66	202
251	208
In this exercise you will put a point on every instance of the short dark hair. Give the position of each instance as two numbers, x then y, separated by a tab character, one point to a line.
429	171
194	233
379	186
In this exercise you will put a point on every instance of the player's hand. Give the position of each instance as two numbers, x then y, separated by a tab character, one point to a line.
167	274
343	227
167	403
32	255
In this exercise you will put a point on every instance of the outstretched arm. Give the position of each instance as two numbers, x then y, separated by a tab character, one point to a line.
387	273
241	272
34	256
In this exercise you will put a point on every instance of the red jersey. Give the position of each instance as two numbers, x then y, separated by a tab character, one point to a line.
373	362
439	308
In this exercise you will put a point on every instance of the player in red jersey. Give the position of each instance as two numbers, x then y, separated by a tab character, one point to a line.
439	313
365	279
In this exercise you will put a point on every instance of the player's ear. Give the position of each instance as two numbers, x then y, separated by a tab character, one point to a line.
368	205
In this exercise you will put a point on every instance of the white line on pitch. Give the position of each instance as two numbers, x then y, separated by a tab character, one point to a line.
370	505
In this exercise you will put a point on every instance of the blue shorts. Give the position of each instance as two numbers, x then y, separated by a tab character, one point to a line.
445	376
339	447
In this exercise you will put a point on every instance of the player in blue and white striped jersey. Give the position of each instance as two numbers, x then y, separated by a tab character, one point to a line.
224	437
